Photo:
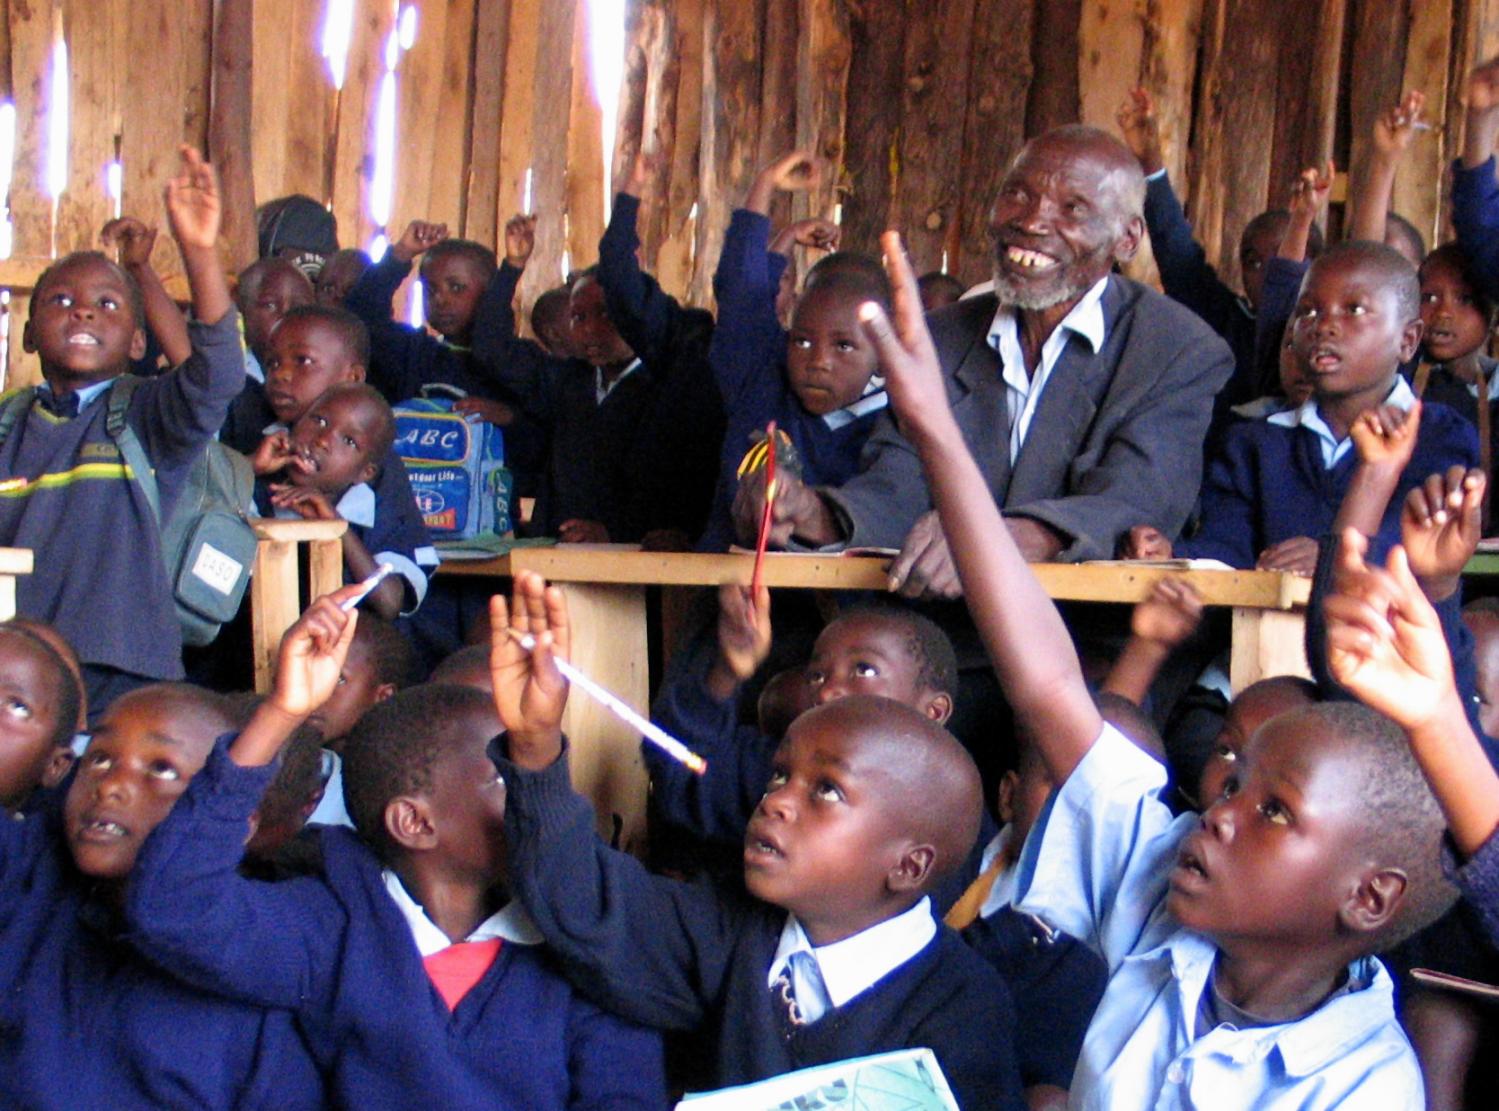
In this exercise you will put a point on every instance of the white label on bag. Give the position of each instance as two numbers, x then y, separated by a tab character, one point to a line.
218	569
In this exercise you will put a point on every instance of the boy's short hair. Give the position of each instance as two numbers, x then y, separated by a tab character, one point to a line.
1451	254
132	287
850	274
1405	826
69	690
935	280
250	278
467	660
389	650
553	304
350	329
1132	721
297	779
1280	218
480	255
925	642
393	748
385	425
1404	229
1395	271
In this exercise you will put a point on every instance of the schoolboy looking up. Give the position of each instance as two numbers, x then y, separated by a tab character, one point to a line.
267	289
66	488
869	805
1239	943
1277	484
326	464
39	709
89	1022
416	980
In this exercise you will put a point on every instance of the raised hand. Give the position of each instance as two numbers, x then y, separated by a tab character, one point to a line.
1137	123
913	374
312	654
1170	615
1397	126
1483	87
1386	436
1440	525
194	207
743	637
520	239
529	692
131	241
1310	190
275	453
419	236
793	172
823	235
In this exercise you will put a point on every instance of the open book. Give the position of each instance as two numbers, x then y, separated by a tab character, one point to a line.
1169	564
906	1080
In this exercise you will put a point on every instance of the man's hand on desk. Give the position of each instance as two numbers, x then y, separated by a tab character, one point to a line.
797	511
924	569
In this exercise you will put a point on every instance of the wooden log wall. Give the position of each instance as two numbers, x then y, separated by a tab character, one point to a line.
917	104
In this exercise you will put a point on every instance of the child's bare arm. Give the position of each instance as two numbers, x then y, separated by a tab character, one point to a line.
1393	132
1385	644
133	241
793	172
1158	625
194	211
1031	649
529	692
1308	200
743	639
312	656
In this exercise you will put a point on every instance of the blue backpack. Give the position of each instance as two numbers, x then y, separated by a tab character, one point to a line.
456	467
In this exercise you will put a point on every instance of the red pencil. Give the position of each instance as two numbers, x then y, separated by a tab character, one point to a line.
765	515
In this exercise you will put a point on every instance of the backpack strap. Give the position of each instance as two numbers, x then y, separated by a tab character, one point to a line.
115	423
13	407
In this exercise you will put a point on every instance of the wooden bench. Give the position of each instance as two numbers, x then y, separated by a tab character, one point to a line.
606	586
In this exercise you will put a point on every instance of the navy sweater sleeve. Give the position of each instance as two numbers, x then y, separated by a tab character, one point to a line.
611	1064
1478	880
1185	273
650	949
1230	494
717	804
644	313
191	913
1277	302
749	342
1475	218
176	413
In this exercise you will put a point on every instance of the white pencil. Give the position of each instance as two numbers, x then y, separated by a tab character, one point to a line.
368	585
648	729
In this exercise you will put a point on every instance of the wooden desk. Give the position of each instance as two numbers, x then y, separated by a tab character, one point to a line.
605	586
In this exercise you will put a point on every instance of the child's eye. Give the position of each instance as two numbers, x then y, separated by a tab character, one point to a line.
816	678
1223	752
319	420
1357	310
1271	810
777	780
1230	787
350	441
109	303
63	299
801	342
866	671
16	708
96	761
845	346
1428	298
161	769
827	791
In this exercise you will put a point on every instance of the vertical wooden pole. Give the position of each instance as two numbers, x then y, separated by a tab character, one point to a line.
229	127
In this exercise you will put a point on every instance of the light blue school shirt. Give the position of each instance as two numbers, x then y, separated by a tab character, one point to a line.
1096	866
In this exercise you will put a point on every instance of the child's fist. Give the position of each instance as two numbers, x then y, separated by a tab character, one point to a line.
1137	123
1483	87
419	236
1386	436
274	454
520	239
313	652
1310	191
130	239
743	630
193	203
1170	615
796	172
1397	126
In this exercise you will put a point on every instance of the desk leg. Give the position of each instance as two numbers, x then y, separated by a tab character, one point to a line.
1266	643
274	605
609	645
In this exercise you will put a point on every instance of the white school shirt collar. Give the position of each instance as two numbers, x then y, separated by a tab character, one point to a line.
601	390
872	400
510	923
1022	392
856	963
85	395
1333	450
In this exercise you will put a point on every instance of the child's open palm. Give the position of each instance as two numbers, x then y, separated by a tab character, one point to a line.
913	374
194	207
529	692
1386	436
1384	641
419	236
1397	126
1137	123
1441	523
313	653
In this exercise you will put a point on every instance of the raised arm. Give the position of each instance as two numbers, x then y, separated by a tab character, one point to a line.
644	313
1158	626
134	240
1029	646
1372	190
1475	192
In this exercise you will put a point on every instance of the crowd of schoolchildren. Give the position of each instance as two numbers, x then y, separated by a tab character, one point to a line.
375	887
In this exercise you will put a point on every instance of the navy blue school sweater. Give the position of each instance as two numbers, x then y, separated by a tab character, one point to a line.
336	951
66	494
683	956
86	1022
748	358
1268	484
1475	218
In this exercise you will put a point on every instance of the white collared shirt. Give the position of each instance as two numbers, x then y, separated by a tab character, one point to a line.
510	923
856	963
86	394
601	389
1333	450
1022	390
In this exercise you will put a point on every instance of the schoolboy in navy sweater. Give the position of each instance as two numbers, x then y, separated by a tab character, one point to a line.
833	951
66	492
413	981
1277	484
87	1022
819	382
326	464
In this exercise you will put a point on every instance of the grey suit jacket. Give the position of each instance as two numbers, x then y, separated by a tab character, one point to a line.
1116	439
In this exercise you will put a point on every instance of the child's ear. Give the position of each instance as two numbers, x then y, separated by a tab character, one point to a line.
57	766
1009	783
368	472
138	344
28	345
913	869
1129	240
1374	902
384	691
408	822
355	373
1410	339
938	707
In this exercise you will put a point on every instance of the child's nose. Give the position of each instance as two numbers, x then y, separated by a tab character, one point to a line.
1218	820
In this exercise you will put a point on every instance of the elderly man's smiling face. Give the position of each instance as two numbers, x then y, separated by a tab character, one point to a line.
1067	210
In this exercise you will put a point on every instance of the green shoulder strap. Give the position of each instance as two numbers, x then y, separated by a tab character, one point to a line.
14	406
123	435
